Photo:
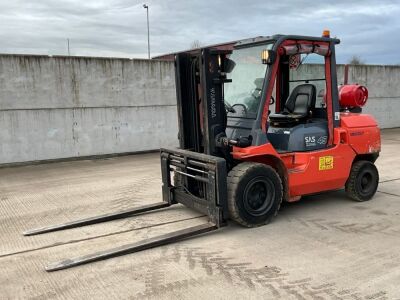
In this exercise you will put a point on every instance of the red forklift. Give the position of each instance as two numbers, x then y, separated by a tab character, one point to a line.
257	126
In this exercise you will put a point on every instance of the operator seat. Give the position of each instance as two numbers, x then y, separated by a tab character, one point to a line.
298	107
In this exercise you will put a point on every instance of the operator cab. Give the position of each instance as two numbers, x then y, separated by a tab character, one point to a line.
301	123
297	118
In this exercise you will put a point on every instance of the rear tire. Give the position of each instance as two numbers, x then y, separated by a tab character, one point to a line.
254	194
363	181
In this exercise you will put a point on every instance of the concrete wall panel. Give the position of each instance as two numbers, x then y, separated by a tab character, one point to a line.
28	135
33	82
61	107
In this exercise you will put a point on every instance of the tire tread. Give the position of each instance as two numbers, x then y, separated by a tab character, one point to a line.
350	187
233	181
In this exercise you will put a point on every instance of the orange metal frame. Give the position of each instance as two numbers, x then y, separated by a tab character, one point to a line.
321	170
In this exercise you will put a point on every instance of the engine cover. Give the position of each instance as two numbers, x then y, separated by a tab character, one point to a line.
302	137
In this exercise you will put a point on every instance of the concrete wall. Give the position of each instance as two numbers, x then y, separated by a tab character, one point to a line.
383	84
59	107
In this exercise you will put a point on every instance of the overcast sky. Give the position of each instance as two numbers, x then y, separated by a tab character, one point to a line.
368	28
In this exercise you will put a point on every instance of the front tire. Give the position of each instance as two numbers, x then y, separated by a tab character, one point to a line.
363	181
254	194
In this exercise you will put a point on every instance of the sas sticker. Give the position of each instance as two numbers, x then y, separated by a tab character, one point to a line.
325	163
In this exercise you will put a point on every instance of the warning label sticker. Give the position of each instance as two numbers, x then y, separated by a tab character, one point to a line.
325	163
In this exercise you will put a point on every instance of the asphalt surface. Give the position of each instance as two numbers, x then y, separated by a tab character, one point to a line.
322	247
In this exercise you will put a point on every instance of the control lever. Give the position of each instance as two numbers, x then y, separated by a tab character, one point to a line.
241	142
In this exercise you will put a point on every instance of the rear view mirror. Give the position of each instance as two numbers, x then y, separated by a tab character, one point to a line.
229	65
268	57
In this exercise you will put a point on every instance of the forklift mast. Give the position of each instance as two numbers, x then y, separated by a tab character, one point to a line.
200	76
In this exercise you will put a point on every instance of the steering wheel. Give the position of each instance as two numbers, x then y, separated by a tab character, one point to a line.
242	105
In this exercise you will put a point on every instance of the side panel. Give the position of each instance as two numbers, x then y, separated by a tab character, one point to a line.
309	172
317	171
363	133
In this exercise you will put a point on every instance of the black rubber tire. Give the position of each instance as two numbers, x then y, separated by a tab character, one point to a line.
363	181
254	194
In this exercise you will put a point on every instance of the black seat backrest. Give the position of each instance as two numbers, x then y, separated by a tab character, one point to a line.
302	99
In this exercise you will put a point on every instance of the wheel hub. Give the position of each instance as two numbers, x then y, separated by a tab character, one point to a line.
258	196
365	182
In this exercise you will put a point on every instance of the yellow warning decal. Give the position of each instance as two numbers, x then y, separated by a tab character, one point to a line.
325	163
